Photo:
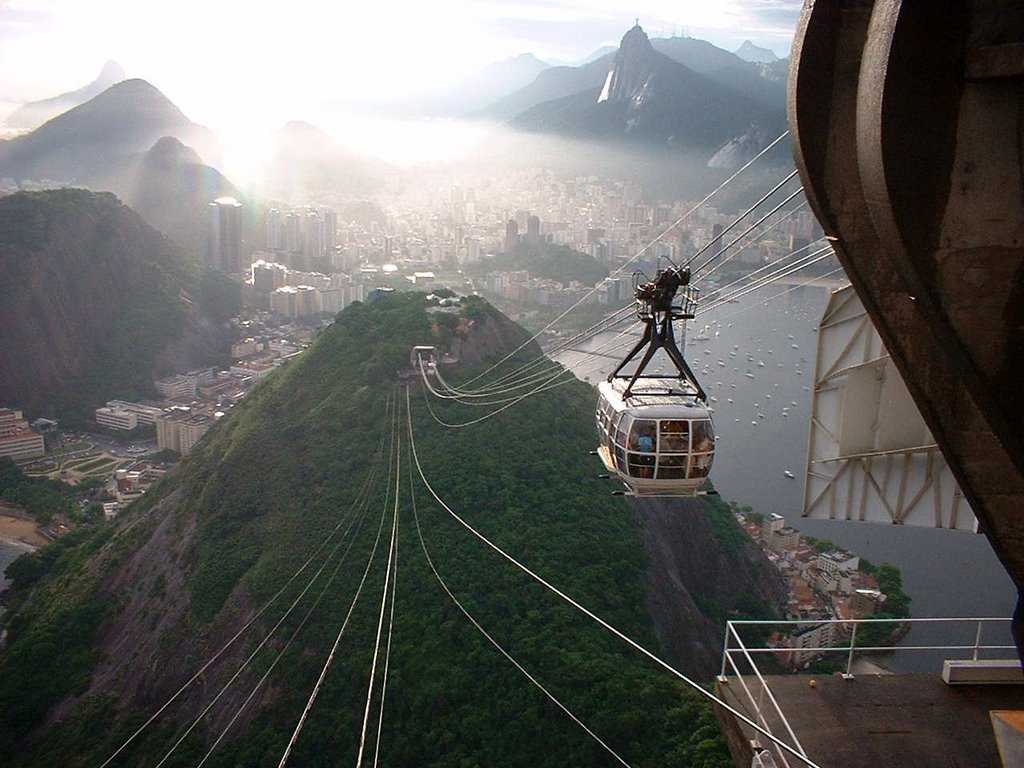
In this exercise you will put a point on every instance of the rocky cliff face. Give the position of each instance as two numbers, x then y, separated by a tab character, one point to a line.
697	579
94	303
634	64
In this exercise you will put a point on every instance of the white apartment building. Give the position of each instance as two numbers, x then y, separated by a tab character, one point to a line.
179	429
836	560
116	418
146	414
17	439
805	639
177	386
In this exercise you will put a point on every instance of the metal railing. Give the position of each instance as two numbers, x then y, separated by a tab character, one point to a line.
764	706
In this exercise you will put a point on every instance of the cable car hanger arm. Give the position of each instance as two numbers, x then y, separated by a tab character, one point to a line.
656	310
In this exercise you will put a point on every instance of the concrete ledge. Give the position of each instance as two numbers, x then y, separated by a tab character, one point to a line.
884	720
982	672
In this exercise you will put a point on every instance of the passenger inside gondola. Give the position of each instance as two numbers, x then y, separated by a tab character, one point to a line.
703	449
675	436
643	440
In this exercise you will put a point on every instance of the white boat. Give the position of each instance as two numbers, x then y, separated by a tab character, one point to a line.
788	474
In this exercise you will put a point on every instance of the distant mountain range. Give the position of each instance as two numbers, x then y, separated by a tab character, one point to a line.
133	141
766	85
677	93
80	145
30	116
755	53
649	97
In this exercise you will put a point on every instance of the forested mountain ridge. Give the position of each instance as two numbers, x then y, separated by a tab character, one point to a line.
131	613
94	303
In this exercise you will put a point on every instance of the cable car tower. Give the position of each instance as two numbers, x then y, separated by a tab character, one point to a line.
655	430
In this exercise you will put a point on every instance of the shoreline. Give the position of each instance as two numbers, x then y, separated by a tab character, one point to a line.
18	533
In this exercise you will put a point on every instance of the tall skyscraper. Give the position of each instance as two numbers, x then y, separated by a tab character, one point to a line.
275	230
224	241
292	232
511	235
314	239
330	218
533	229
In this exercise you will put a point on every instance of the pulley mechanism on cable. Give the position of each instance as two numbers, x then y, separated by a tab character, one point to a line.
655	429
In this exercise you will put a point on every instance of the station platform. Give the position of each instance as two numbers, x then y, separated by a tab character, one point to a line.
876	720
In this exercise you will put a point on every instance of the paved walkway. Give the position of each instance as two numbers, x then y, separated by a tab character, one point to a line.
885	720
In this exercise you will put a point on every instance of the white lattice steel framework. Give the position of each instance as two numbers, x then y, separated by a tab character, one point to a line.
870	456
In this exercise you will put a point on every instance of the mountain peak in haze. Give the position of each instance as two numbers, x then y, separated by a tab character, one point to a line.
755	53
649	98
35	113
168	152
84	143
110	74
631	69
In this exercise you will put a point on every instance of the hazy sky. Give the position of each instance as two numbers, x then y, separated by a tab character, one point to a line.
211	57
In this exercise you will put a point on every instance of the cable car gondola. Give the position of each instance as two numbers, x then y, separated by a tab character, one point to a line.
655	431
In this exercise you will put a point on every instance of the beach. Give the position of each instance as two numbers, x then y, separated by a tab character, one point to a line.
20	533
17	536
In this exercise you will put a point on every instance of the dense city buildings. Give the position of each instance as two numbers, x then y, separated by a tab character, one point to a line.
822	583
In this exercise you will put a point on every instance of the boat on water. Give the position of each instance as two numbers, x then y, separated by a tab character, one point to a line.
788	474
